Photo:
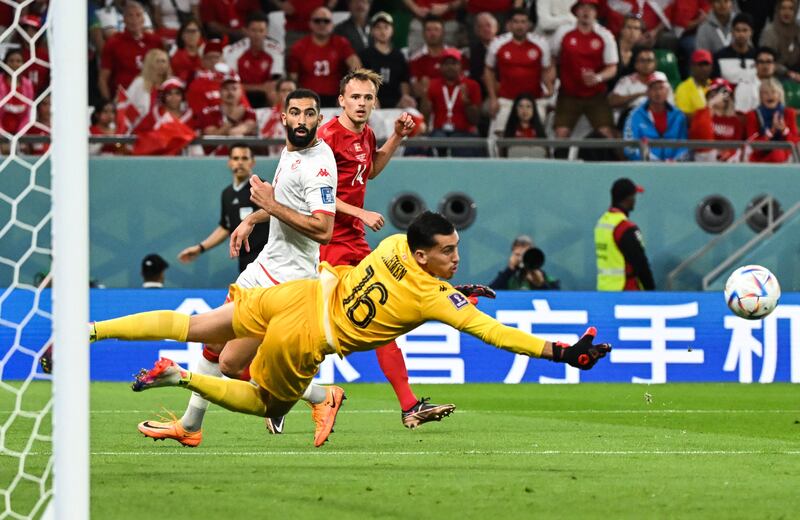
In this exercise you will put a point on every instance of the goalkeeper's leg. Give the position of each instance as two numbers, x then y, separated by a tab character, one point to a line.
215	326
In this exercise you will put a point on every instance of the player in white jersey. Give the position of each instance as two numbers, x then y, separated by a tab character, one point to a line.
302	200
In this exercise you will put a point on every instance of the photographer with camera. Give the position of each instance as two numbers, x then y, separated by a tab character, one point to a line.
524	270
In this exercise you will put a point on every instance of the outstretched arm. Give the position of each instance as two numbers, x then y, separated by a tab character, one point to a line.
216	237
371	219
242	232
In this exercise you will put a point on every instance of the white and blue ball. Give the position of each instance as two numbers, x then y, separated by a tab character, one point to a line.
752	292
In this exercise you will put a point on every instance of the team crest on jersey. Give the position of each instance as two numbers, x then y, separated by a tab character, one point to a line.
573	41
327	195
357	147
295	164
507	55
533	54
595	44
458	300
323	173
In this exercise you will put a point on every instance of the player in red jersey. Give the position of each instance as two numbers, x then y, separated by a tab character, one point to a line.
358	160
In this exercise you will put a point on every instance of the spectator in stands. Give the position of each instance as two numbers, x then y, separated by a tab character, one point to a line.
170	100
272	127
760	10
204	86
124	51
454	102
38	70
498	10
629	36
41	126
656	119
143	89
715	32
298	17
445	10
484	31
524	122
186	59
15	111
424	64
153	271
381	57
517	62
771	121
170	15
552	14
685	17
103	118
747	96
111	17
690	95
356	28
587	59
622	263
226	18
631	90
783	35
257	59
654	21
718	122
231	117
514	268
320	60
737	61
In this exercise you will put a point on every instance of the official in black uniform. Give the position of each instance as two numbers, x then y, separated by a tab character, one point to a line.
236	206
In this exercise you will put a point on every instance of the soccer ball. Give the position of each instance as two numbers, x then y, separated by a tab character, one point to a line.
752	292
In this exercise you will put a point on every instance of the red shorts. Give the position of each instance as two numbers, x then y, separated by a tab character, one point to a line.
344	253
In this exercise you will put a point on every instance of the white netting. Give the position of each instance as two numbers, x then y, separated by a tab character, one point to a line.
26	459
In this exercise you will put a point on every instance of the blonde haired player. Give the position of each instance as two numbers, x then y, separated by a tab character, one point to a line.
396	288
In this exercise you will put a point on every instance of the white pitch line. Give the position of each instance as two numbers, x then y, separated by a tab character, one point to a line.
462	411
325	453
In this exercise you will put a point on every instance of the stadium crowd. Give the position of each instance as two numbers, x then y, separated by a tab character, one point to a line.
170	70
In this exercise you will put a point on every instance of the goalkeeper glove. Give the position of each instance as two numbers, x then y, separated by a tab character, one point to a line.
473	290
582	354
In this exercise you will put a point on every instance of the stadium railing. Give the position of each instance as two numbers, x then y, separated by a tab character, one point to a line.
479	142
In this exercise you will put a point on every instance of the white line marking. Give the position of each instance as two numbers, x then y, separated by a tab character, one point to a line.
315	452
462	411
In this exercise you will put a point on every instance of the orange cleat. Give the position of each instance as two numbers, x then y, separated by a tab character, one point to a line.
158	431
324	414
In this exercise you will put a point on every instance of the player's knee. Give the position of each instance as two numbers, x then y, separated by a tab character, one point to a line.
231	368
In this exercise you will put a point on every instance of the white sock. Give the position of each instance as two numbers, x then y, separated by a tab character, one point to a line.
315	394
192	419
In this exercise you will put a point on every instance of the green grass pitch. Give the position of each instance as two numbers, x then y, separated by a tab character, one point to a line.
509	451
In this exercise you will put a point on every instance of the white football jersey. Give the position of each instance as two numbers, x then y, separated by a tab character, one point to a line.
305	181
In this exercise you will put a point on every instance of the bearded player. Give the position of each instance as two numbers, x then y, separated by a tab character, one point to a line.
358	160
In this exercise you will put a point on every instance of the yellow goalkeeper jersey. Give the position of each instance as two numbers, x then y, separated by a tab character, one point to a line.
388	294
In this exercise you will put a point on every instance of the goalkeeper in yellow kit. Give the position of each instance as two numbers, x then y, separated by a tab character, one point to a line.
348	309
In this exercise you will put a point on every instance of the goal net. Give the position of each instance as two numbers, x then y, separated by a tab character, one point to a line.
42	265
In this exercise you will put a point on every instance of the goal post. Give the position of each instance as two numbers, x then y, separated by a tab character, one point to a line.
70	228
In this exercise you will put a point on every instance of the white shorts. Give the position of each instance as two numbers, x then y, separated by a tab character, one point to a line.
255	275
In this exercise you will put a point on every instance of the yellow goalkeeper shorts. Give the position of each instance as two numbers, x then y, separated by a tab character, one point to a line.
294	345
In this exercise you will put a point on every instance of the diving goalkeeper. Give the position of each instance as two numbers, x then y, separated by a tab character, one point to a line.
396	288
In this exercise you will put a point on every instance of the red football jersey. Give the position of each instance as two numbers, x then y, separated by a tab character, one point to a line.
213	116
231	13
39	129
123	55
580	52
184	64
320	67
436	93
491	6
39	71
299	19
423	65
16	112
518	65
449	15
203	91
254	66
354	154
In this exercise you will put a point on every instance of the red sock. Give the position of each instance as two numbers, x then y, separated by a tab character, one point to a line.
390	358
211	356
